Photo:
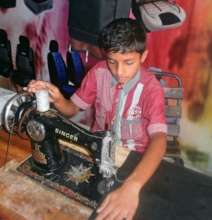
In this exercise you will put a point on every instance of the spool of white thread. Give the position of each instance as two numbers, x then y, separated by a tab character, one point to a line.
42	98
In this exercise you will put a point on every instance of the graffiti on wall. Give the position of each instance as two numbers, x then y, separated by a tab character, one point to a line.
188	51
40	29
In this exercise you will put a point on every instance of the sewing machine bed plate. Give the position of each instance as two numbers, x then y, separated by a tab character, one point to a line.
174	192
77	179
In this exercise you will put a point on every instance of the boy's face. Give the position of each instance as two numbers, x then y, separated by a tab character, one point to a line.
124	66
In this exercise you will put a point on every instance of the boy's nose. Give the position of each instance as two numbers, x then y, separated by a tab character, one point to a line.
119	70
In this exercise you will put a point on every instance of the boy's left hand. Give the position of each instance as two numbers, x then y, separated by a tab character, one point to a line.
120	204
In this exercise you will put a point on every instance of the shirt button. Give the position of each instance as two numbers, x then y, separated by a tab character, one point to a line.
119	86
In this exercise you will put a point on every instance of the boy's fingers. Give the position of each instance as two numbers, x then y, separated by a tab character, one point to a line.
103	205
34	85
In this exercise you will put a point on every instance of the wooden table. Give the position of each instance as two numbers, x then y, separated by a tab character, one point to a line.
24	199
18	149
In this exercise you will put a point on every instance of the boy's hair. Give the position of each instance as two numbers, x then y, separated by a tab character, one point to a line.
122	35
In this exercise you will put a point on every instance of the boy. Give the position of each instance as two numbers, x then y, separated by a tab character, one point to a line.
128	101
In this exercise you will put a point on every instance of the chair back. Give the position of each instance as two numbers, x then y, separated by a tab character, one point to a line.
173	92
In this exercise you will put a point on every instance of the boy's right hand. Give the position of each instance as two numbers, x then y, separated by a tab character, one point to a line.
36	85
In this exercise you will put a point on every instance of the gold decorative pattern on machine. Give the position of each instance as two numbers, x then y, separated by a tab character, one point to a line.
79	174
38	155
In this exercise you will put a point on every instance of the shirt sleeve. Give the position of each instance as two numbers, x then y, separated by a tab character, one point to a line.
156	110
85	96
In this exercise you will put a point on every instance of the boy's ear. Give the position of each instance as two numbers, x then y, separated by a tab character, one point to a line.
144	56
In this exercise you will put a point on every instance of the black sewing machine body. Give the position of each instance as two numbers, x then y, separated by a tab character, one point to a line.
74	168
65	156
46	129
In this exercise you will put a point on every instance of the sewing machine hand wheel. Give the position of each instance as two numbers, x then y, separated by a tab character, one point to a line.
14	110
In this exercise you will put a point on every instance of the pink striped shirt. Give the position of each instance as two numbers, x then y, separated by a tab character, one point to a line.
133	112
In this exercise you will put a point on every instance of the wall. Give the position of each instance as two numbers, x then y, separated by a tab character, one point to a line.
186	50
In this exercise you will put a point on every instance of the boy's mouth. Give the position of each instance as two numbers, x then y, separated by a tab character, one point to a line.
122	80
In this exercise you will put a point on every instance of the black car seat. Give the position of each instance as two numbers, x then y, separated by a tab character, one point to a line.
25	69
6	65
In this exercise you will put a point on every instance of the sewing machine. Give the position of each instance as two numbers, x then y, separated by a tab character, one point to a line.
65	156
82	165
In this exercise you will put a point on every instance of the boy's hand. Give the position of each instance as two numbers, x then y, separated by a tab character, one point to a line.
36	85
120	204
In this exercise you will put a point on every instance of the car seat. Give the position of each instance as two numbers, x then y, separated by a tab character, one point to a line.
58	70
6	65
25	69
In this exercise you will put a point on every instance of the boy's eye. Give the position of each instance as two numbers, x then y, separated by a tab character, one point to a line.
129	62
111	61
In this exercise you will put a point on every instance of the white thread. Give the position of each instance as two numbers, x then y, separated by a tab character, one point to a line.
42	98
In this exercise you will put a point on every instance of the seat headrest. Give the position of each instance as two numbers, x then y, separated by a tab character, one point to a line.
24	42
53	46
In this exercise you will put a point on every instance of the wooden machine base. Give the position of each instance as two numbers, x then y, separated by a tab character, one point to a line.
22	198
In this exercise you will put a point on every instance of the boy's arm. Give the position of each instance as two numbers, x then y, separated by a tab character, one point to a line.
122	203
65	106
